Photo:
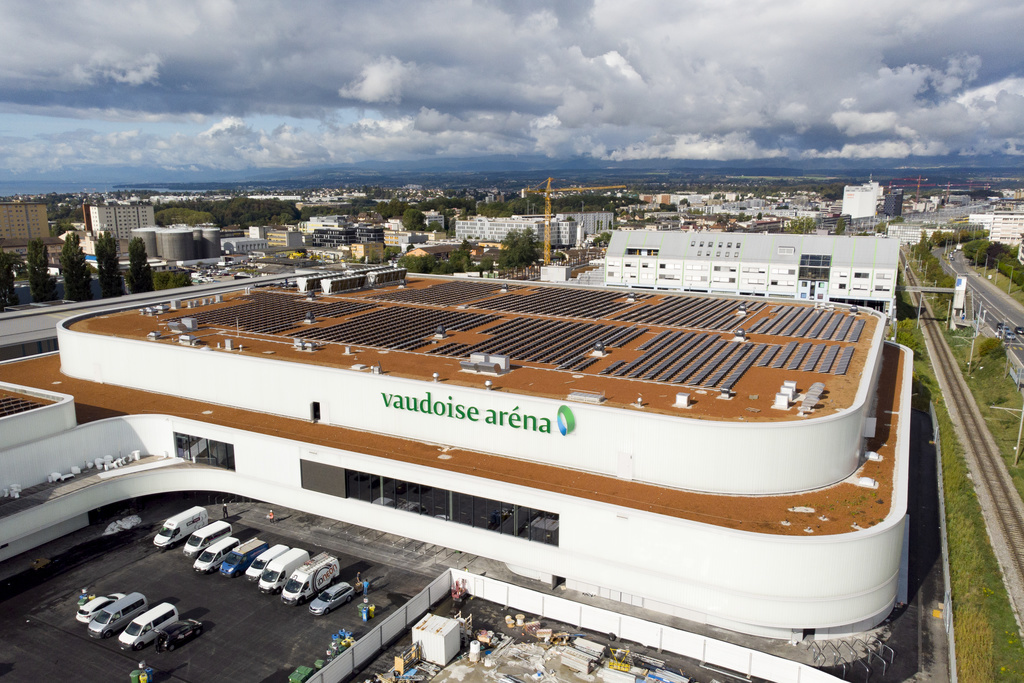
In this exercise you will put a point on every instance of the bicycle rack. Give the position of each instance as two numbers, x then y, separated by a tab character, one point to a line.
867	670
882	647
872	653
853	653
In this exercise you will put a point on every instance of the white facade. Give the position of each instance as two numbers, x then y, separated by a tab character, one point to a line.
760	583
242	245
807	267
859	201
1005	227
121	219
567	229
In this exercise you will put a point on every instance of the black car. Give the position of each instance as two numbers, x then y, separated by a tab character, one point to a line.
1019	331
178	633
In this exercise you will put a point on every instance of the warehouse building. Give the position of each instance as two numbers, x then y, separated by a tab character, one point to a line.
735	461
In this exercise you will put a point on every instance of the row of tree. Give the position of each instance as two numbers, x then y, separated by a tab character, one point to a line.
77	273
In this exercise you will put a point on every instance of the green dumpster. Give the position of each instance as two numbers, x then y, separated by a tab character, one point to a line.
300	675
135	675
319	664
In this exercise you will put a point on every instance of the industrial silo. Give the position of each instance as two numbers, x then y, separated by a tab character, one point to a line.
211	243
176	244
148	236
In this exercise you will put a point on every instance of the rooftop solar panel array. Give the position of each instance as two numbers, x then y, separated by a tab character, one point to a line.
563	303
397	327
272	313
12	405
690	311
441	294
809	323
541	340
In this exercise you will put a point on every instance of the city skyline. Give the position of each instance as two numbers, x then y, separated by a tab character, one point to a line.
102	88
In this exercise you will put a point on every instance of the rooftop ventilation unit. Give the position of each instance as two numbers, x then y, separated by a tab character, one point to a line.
739	335
310	318
599	351
682	400
176	327
188	339
227	345
724	393
631	298
190	324
866	482
153	335
175	304
595	397
782	400
440	333
219	299
854	310
742	310
504	288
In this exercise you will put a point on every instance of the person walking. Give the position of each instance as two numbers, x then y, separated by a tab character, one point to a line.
270	516
366	587
225	516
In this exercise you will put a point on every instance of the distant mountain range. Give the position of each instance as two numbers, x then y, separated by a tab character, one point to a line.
515	171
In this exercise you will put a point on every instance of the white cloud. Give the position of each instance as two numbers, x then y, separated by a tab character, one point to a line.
379	82
208	82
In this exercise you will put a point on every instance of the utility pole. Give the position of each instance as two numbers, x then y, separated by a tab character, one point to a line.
1020	430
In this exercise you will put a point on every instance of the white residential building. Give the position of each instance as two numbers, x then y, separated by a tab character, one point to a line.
119	219
567	229
1005	227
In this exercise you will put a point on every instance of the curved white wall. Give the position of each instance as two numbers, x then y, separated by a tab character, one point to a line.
700	455
744	581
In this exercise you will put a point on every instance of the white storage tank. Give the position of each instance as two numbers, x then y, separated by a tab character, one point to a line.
439	638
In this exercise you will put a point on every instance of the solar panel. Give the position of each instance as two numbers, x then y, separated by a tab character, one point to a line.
794	362
855	332
830	356
767	356
843	364
736	374
812	357
783	356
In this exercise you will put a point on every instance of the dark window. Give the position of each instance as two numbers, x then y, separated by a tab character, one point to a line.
481	513
205	451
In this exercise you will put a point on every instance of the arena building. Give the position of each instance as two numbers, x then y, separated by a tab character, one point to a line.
736	462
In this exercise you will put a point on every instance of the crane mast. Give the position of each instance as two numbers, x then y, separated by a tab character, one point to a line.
546	190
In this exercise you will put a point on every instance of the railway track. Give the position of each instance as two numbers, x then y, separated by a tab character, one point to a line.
1001	504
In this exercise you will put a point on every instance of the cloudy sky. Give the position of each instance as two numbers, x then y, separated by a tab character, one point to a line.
220	84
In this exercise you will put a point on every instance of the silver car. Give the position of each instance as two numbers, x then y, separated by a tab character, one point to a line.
332	597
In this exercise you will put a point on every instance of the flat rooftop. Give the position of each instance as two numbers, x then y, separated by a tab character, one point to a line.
836	509
656	344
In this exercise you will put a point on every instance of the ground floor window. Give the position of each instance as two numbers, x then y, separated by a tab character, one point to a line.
463	508
205	451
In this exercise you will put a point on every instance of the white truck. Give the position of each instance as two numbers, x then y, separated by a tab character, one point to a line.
180	526
310	579
280	568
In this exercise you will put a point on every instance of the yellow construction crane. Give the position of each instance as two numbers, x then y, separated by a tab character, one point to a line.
546	190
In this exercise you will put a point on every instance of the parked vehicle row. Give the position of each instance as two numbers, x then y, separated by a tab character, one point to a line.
138	623
278	569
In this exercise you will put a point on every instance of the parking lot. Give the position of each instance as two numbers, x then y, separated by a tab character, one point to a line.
248	636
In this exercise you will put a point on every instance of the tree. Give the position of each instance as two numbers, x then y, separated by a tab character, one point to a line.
8	264
169	279
140	275
413	219
518	249
841	227
42	285
801	226
77	278
106	263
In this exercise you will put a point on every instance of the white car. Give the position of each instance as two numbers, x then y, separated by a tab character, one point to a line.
87	611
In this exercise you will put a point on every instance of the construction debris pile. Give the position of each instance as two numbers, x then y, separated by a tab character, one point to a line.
530	653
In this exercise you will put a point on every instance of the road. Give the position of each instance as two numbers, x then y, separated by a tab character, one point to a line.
992	305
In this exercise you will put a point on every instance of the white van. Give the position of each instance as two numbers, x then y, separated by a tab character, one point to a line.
117	615
280	568
177	528
255	569
201	540
209	560
145	627
310	579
